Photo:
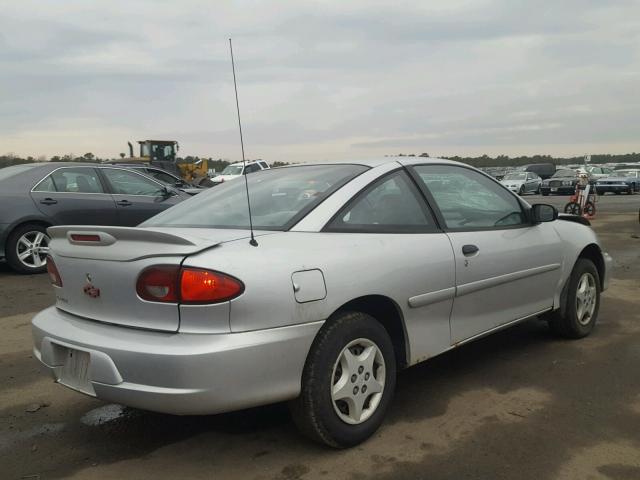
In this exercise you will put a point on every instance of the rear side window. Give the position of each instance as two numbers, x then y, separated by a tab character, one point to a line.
390	205
71	180
254	167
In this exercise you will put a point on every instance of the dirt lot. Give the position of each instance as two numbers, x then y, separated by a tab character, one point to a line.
519	404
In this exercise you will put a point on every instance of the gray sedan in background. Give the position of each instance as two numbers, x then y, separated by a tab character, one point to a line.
358	269
35	196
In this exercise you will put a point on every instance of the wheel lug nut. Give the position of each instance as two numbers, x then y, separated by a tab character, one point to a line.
364	389
367	375
354	377
355	390
360	369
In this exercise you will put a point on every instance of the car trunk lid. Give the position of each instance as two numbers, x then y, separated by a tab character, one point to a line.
99	267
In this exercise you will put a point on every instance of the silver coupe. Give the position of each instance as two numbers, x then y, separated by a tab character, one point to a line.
361	269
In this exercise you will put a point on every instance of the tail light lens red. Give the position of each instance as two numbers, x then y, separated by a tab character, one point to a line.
54	274
159	283
172	284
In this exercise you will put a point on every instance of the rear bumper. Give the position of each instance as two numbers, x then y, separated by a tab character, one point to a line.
178	373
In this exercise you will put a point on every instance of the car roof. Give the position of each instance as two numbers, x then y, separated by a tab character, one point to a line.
377	161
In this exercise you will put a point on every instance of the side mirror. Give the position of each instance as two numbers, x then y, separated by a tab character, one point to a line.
542	212
167	192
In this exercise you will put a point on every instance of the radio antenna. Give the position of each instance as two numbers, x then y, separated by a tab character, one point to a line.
253	241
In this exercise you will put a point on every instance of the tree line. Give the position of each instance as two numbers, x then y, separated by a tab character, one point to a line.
11	159
481	161
506	161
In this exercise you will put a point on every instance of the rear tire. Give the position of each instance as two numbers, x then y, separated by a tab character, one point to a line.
27	247
335	367
577	318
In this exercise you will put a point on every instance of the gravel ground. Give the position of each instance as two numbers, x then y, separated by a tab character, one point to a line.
519	404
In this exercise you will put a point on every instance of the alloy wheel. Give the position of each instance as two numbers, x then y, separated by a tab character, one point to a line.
32	249
586	298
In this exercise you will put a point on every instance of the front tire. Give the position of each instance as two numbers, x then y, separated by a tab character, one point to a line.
27	248
578	316
347	383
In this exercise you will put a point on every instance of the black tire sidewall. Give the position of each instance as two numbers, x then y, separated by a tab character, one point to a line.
350	326
10	248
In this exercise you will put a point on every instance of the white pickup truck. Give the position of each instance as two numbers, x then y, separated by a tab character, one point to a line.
236	170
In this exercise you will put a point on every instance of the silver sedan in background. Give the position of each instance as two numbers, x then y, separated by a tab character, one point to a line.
360	269
522	182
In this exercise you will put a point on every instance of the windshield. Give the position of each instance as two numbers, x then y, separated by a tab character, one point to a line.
7	172
565	173
232	170
515	176
279	197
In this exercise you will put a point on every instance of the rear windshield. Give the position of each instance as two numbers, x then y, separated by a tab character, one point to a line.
7	172
279	198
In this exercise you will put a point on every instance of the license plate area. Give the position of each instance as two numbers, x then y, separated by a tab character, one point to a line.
554	189
75	371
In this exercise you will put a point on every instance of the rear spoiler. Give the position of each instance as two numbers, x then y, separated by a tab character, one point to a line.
121	243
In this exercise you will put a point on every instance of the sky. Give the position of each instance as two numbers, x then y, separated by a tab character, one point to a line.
322	80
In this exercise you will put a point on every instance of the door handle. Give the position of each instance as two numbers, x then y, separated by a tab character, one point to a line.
124	203
469	249
48	201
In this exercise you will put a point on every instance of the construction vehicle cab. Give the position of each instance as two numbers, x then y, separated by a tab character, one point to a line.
163	154
157	150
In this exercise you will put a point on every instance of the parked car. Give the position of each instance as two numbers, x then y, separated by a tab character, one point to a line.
596	173
358	269
35	196
165	177
522	182
621	181
543	170
563	182
236	170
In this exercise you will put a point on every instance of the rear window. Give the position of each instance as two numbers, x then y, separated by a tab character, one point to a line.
279	198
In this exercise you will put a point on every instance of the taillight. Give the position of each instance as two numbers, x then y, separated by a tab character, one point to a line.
159	283
206	286
171	284
54	274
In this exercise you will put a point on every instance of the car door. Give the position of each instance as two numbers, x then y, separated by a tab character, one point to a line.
390	221
137	197
74	196
506	267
